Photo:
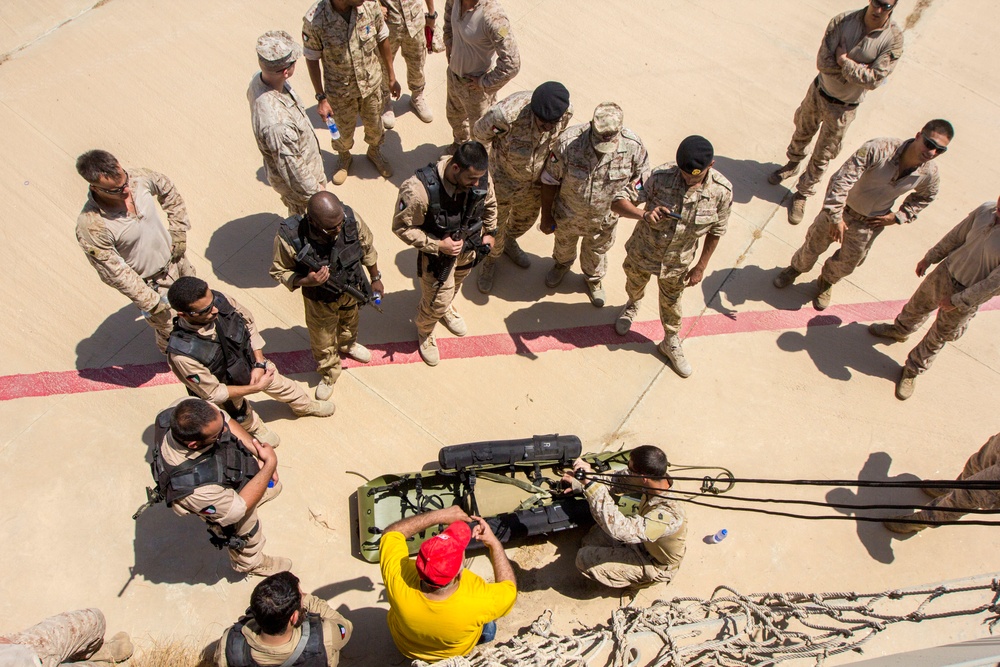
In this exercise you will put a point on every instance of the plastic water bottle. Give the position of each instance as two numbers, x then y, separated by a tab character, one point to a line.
270	483
719	536
377	298
334	132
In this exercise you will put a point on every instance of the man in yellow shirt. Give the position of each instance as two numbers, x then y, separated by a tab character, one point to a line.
437	609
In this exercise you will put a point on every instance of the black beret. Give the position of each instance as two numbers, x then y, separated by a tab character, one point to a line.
695	154
550	101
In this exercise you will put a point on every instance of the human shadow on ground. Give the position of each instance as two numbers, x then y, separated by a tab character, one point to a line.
116	332
875	538
241	250
560	573
753	284
749	179
371	643
262	175
514	284
839	350
573	325
330	591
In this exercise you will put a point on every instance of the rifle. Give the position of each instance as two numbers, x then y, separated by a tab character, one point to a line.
306	258
471	237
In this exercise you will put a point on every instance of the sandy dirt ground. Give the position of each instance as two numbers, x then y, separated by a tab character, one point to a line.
778	390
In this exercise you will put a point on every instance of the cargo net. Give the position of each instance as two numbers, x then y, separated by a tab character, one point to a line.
733	630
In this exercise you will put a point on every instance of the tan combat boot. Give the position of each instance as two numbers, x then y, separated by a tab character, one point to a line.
428	350
271	565
340	175
887	330
264	434
388	115
625	318
906	384
378	160
420	107
786	277
487	271
358	352
796	209
513	251
556	274
904	528
318	408
781	173
114	651
822	299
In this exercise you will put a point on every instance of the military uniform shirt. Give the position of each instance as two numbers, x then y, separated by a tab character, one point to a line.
351	66
194	374
212	502
473	37
704	209
971	252
126	248
286	138
590	181
519	148
869	182
411	207
283	261
871	56
656	520
405	15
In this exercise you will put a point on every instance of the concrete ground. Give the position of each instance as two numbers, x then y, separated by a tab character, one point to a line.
777	391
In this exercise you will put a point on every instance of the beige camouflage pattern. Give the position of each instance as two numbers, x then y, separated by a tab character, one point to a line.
332	326
405	19
66	637
467	100
277	50
287	142
588	184
200	382
983	466
411	207
668	247
948	326
872	58
971	251
642	549
115	269
869	182
345	113
858	240
349	52
518	152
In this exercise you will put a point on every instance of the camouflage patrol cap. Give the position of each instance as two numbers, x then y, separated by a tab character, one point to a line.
276	50
606	127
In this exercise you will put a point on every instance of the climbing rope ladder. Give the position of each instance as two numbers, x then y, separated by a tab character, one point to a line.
731	630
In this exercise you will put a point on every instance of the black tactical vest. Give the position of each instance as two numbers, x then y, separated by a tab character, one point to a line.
229	357
343	256
448	215
312	655
229	464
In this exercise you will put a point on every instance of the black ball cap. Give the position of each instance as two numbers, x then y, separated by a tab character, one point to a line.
695	154
550	101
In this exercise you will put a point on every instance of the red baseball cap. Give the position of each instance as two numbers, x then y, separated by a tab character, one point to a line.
440	558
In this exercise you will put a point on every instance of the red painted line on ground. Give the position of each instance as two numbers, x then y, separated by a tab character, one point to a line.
529	343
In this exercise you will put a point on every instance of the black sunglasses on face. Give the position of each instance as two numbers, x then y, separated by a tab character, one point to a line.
206	310
114	191
933	145
884	6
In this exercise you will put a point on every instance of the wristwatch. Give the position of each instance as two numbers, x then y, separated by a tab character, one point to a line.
431	16
377	277
260	364
320	97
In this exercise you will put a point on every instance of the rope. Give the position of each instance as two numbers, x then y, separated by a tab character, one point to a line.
776	627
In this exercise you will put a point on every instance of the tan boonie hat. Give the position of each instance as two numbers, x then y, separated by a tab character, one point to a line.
606	127
277	50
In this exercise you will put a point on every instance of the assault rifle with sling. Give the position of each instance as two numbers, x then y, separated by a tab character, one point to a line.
440	265
305	257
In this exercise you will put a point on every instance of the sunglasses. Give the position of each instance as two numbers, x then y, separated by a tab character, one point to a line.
202	444
884	6
114	191
206	310
933	145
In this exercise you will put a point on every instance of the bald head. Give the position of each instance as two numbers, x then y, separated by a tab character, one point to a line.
326	214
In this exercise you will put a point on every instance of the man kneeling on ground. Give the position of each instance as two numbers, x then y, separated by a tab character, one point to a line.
437	609
639	550
284	626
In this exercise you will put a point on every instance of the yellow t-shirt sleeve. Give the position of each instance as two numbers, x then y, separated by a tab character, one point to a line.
392	553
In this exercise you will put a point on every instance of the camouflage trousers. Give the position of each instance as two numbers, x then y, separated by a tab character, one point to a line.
436	300
345	113
332	327
618	565
518	205
466	104
280	389
949	325
983	466
414	55
595	237
66	637
295	201
163	323
671	288
858	240
831	120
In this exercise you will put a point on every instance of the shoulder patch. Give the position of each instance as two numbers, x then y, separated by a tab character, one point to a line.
659	515
208	510
503	32
194	378
552	157
401	206
862	152
496	130
343	631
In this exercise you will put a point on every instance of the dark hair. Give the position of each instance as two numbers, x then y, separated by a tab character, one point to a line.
190	417
940	125
96	163
472	154
649	461
185	291
274	600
